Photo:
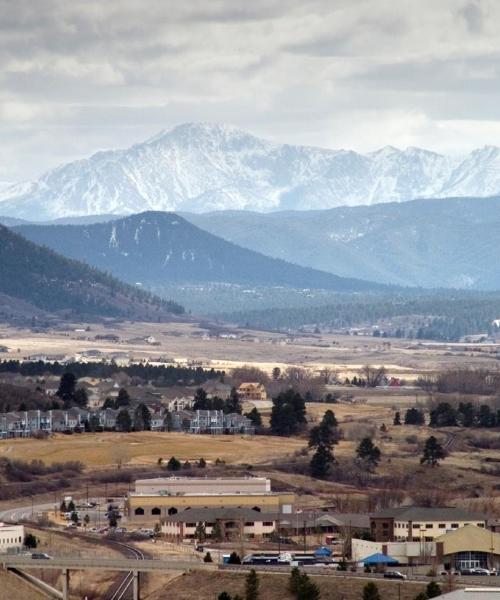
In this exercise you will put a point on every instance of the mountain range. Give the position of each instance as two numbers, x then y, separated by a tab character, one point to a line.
203	167
35	281
158	248
430	243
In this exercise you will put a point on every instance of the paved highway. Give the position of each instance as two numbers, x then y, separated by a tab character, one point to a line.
103	564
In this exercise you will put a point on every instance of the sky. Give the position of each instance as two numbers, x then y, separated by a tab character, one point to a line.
83	75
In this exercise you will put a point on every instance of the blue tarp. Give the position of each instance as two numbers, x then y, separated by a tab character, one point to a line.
323	551
379	559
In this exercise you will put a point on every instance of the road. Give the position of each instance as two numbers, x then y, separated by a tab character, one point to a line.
13	515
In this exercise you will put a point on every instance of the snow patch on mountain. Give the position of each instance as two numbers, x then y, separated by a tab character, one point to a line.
200	167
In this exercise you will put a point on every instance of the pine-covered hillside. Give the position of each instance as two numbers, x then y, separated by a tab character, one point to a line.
34	278
156	249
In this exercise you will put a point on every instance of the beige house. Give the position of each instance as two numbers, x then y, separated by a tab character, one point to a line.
252	391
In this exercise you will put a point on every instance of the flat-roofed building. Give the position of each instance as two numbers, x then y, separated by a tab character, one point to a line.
156	500
233	523
11	538
420	523
183	485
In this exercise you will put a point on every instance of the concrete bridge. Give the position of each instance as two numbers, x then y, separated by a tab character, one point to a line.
20	564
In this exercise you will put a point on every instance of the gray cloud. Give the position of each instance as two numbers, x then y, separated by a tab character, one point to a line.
80	76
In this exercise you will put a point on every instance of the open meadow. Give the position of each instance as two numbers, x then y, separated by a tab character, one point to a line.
145	447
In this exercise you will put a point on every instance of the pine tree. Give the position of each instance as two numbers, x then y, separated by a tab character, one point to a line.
321	461
173	464
207	558
254	416
124	421
233	404
368	453
234	559
433	452
200	533
370	592
202	463
252	586
224	596
433	590
123	398
142	418
216	534
397	419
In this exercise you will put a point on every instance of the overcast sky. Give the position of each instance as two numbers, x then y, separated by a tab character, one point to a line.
77	76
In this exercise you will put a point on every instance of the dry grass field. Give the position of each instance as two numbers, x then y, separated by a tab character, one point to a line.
190	341
144	448
197	586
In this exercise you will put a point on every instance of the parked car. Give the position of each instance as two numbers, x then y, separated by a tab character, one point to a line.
394	575
450	572
481	571
40	556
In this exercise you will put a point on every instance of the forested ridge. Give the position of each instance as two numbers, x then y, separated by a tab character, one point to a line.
51	282
444	317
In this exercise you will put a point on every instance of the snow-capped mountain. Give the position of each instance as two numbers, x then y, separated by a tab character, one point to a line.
203	167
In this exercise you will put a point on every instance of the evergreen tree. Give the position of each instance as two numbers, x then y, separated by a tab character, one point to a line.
80	397
444	415
233	404
167	422
86	520
370	592
142	418
200	533
252	586
123	398
321	461
254	416
368	453
202	463
63	508
30	541
414	416
173	464
397	419
433	590
71	506
288	414
294	582
200	400
74	517
234	559
124	421
433	452
224	596
216	534
276	373
207	558
67	386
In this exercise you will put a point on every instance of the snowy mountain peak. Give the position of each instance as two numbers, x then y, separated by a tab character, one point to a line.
200	167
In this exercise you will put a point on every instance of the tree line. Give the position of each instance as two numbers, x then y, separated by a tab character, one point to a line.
159	374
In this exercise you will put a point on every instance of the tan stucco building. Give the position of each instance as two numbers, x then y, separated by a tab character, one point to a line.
169	496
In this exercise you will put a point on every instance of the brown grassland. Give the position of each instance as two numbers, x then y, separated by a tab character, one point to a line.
107	449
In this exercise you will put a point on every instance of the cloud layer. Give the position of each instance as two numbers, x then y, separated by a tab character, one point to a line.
84	75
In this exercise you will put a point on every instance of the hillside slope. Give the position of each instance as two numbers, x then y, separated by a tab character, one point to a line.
162	248
452	242
35	279
201	167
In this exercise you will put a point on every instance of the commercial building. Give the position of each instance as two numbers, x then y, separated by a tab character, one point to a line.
11	538
420	524
232	523
203	485
152	501
469	547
